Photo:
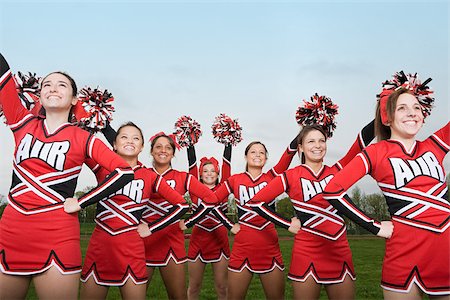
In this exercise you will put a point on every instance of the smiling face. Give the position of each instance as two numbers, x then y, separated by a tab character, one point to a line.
162	151
129	142
408	118
209	175
313	146
256	156
57	93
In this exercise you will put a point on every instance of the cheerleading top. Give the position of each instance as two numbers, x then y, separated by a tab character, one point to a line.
244	187
305	189
217	217
46	165
412	181
121	212
182	182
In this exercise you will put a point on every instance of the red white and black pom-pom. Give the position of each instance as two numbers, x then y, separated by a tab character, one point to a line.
94	109
319	110
226	130
187	131
27	86
28	89
413	83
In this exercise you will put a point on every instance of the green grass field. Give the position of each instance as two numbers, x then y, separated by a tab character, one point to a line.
367	257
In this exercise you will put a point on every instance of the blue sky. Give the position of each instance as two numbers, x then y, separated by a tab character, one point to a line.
253	60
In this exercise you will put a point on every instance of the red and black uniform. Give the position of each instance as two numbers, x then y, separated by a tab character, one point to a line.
321	248
413	183
115	238
168	243
256	244
35	232
209	238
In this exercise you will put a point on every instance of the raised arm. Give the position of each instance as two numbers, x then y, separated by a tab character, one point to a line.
442	138
15	113
192	161
226	163
110	134
364	138
286	158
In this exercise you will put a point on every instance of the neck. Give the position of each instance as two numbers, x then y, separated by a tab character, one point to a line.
132	161
315	166
54	120
161	168
407	142
254	171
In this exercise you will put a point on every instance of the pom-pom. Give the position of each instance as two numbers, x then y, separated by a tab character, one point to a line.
226	130
413	83
94	109
27	86
320	110
187	131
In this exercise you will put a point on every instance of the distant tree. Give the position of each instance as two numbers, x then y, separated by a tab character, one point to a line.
357	197
285	208
87	214
374	205
3	203
232	208
377	207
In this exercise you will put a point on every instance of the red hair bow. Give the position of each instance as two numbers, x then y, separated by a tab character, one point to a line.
169	136
211	160
384	96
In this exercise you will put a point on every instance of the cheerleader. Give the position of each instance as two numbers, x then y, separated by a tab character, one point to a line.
39	241
255	248
165	249
209	239
411	175
321	254
115	237
208	242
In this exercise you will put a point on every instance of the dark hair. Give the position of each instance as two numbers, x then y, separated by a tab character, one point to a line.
131	124
171	142
74	92
304	131
383	132
248	148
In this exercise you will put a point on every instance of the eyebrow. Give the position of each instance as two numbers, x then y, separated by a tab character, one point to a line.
59	81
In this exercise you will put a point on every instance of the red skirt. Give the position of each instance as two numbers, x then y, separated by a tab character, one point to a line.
256	250
113	259
327	261
164	245
417	256
208	246
32	244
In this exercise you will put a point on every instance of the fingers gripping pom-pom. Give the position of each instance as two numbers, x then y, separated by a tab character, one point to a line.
27	87
226	130
413	83
319	110
94	109
187	131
